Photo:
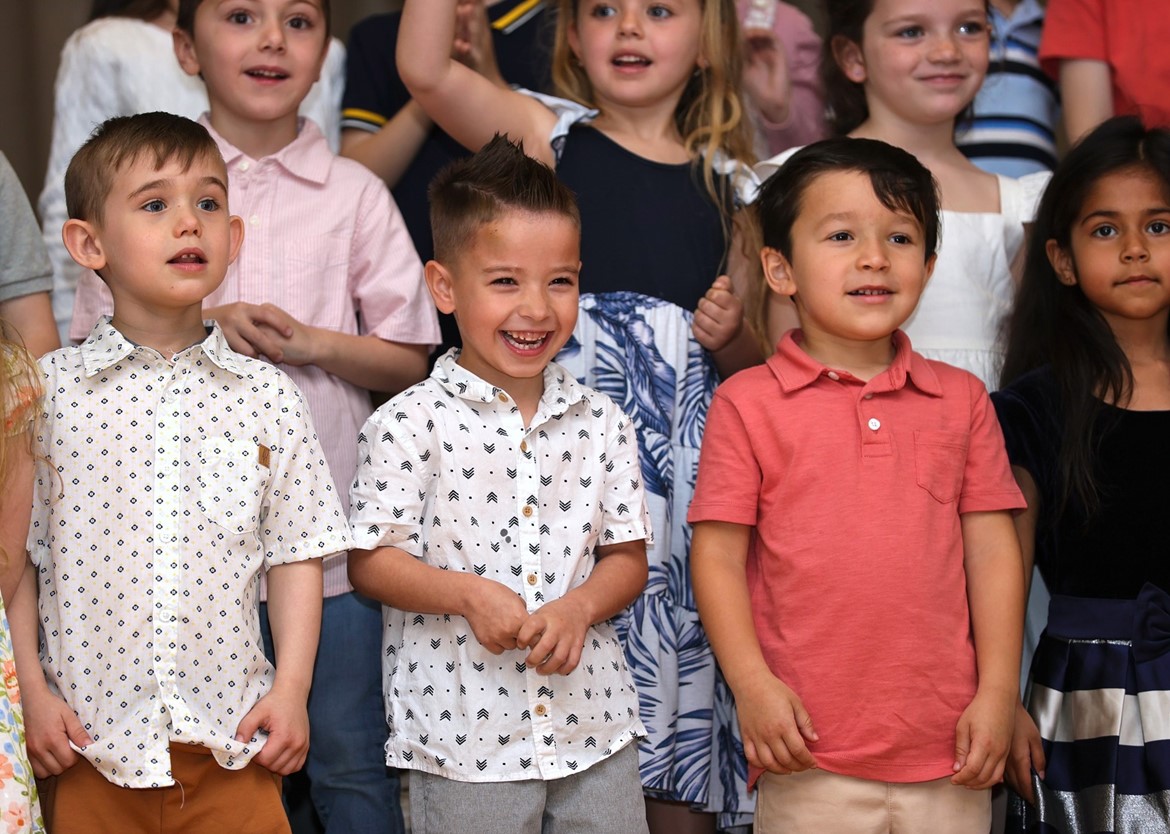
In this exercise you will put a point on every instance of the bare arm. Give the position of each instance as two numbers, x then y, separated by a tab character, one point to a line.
394	577
464	103
555	632
391	150
294	610
1093	102
995	596
14	521
773	721
32	316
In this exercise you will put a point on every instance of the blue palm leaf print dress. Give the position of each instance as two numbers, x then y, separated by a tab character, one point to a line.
652	243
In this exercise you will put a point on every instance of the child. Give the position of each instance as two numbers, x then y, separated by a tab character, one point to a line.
1085	411
854	559
121	63
20	405
503	505
653	170
330	287
1012	127
177	471
903	71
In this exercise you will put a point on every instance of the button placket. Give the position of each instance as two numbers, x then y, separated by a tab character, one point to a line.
167	509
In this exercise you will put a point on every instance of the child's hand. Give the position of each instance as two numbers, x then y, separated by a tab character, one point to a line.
775	726
284	717
49	726
765	74
292	341
982	738
495	613
1027	754
719	317
243	326
473	41
555	633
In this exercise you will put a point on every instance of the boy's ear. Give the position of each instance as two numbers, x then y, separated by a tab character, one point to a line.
777	271
81	239
236	232
847	54
440	283
185	52
931	262
1062	263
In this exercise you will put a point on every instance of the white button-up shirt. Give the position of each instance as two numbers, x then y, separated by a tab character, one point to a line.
449	473
170	486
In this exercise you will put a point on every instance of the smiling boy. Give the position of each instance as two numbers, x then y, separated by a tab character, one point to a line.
854	559
502	507
176	472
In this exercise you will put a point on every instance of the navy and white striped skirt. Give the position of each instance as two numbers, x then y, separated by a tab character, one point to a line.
1100	696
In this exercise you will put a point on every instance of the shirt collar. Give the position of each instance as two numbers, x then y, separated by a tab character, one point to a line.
106	346
560	389
795	369
307	157
1029	11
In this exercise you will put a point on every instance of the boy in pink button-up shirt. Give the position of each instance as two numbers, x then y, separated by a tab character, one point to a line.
855	563
328	285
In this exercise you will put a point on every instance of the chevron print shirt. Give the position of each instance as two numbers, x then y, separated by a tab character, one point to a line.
449	473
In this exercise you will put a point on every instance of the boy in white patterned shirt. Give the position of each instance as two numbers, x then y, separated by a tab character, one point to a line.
502	504
176	470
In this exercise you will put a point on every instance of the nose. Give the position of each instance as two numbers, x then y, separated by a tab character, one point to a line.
187	221
629	22
1134	249
873	257
272	35
944	49
534	305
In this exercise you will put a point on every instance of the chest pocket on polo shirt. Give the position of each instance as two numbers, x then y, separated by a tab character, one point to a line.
940	457
232	483
317	279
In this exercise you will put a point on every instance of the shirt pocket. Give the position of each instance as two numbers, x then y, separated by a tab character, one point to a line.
232	483
940	457
316	282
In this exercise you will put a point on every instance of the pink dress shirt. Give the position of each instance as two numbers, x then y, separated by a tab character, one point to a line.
325	242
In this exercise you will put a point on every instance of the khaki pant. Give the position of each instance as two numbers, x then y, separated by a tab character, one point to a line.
205	799
820	802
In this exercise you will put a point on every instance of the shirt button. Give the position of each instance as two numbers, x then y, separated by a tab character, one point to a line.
532	579
868	397
874	423
254	220
541	709
523	446
243	166
833	375
527	510
503	397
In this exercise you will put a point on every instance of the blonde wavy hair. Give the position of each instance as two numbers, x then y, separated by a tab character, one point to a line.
710	116
20	396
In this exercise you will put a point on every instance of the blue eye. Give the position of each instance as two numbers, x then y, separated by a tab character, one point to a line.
154	206
910	32
602	10
660	12
209	204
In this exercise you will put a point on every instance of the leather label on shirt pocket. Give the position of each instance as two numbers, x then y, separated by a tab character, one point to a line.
232	482
940	458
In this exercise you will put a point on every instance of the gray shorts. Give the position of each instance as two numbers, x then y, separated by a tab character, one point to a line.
605	799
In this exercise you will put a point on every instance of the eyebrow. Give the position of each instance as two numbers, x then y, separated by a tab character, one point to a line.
509	270
1109	214
162	183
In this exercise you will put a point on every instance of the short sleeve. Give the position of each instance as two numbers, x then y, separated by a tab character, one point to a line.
730	478
390	489
302	516
373	90
568	113
1073	29
988	483
24	263
1026	411
623	505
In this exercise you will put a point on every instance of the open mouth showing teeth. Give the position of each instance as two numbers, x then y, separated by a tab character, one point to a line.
267	74
631	61
525	341
870	292
187	259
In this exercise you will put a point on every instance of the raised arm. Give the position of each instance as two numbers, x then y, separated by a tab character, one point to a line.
1093	101
467	105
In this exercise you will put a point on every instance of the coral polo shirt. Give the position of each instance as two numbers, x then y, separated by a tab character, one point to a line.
855	567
